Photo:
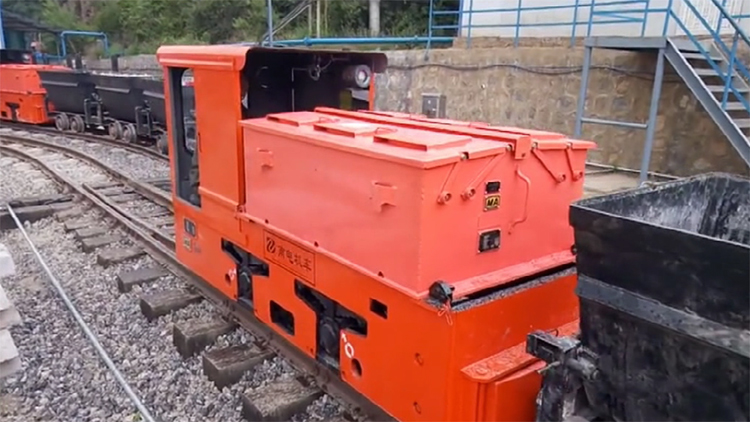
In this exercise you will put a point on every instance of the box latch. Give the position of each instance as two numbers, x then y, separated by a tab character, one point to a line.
383	194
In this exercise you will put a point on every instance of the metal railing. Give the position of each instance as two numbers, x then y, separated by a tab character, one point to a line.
582	17
595	14
735	67
643	16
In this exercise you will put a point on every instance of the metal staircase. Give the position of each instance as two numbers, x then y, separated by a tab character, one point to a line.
716	79
709	67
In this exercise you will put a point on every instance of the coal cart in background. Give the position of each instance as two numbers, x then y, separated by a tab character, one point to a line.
127	107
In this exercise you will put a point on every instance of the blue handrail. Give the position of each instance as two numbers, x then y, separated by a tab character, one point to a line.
2	34
600	13
735	67
308	42
65	34
595	8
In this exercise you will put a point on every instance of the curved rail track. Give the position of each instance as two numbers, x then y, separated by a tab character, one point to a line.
89	137
144	211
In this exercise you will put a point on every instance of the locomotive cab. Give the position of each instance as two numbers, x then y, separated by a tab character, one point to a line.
275	80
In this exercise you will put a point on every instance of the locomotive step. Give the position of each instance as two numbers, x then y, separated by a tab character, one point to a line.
226	366
279	400
127	280
191	337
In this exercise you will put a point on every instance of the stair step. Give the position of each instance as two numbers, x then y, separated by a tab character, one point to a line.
742	123
686	45
707	72
735	106
701	56
720	89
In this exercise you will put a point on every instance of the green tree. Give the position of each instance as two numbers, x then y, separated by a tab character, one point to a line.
26	8
214	20
140	26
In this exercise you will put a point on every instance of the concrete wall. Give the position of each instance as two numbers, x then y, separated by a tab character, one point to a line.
555	18
141	64
499	91
512	87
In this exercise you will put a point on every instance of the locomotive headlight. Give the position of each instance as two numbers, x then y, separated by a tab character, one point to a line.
360	75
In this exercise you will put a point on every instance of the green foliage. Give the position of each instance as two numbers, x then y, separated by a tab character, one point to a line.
56	15
140	26
27	8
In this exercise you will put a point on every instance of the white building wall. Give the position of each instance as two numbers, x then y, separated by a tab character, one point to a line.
745	22
486	21
710	13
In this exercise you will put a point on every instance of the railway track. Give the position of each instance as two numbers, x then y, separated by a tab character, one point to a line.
127	224
149	151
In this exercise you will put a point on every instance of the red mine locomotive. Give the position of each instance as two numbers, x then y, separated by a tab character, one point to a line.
437	267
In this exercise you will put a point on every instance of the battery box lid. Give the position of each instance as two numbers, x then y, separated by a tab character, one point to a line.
521	140
417	146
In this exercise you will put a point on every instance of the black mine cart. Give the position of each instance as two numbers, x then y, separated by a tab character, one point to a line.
664	288
73	94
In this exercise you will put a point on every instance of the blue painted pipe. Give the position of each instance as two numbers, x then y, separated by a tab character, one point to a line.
2	34
102	35
307	41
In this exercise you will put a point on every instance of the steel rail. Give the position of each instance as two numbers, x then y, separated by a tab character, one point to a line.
81	323
155	194
159	235
87	137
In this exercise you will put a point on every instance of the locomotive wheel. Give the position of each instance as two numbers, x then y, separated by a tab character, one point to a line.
129	134
62	123
115	130
77	125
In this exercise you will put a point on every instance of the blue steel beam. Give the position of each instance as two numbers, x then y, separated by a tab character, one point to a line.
362	41
102	35
2	33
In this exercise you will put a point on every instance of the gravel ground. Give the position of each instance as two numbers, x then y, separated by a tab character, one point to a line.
50	343
62	377
18	179
134	165
76	170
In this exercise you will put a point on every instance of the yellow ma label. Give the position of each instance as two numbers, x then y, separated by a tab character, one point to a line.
491	202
